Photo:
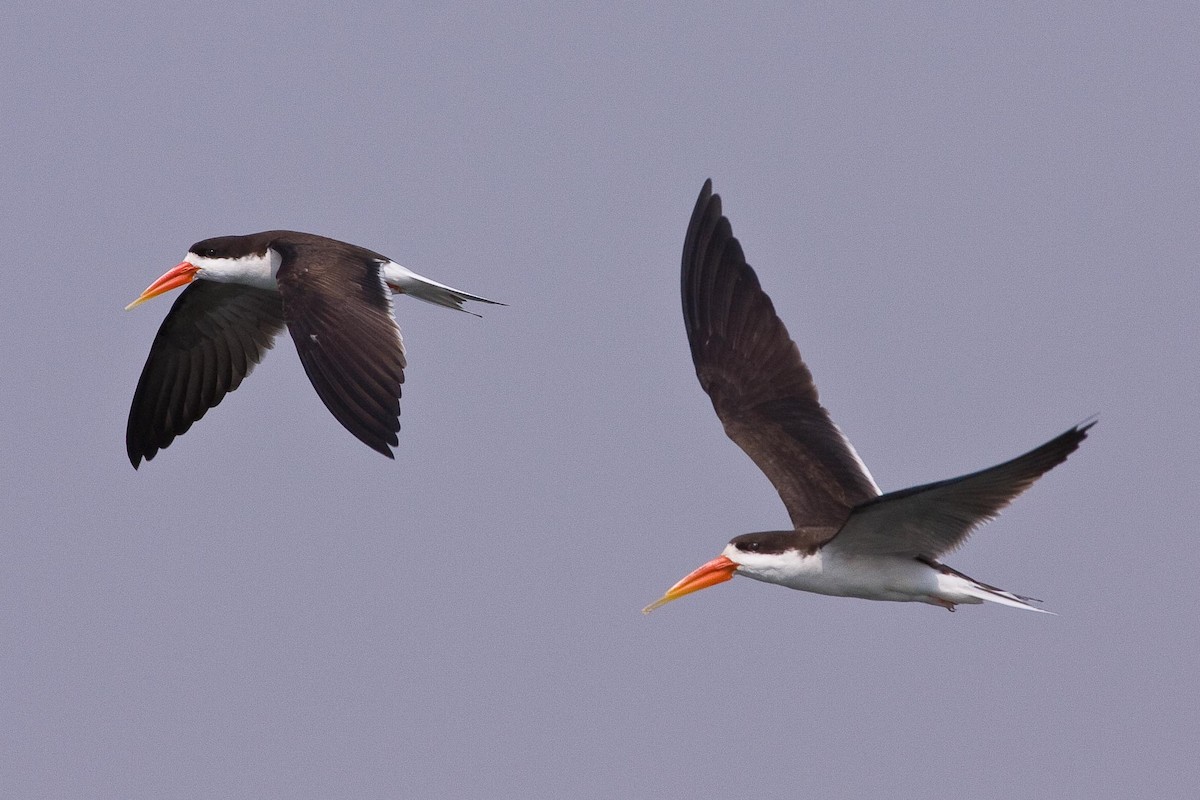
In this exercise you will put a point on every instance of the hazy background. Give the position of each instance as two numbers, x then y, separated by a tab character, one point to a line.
978	221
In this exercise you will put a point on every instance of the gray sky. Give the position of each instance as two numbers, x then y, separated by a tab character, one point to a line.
979	222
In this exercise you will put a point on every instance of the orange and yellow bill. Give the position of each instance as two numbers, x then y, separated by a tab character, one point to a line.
719	570
179	275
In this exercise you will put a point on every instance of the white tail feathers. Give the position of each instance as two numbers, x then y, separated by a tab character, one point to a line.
404	281
991	594
956	587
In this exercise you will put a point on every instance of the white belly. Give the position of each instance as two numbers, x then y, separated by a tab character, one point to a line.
868	577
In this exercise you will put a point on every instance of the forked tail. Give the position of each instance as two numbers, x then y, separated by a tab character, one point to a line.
994	595
404	281
958	583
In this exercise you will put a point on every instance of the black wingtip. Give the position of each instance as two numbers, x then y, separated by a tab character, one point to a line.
1063	445
1077	434
135	454
381	446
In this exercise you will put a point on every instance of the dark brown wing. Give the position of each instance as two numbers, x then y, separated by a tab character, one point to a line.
936	518
760	387
213	336
340	314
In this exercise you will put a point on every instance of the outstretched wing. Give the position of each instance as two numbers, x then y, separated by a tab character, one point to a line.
936	518
759	385
213	336
339	311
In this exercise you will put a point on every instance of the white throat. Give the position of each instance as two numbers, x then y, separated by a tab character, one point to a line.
788	568
252	270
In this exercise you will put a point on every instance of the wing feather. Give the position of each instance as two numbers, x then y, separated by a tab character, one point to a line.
339	311
188	370
758	383
930	520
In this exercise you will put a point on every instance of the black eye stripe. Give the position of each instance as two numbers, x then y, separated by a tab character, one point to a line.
765	543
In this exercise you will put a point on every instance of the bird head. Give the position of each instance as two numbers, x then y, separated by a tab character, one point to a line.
763	556
237	259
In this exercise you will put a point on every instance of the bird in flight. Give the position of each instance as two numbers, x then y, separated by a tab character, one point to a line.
847	539
334	297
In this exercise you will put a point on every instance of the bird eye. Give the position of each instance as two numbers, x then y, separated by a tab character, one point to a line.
748	547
